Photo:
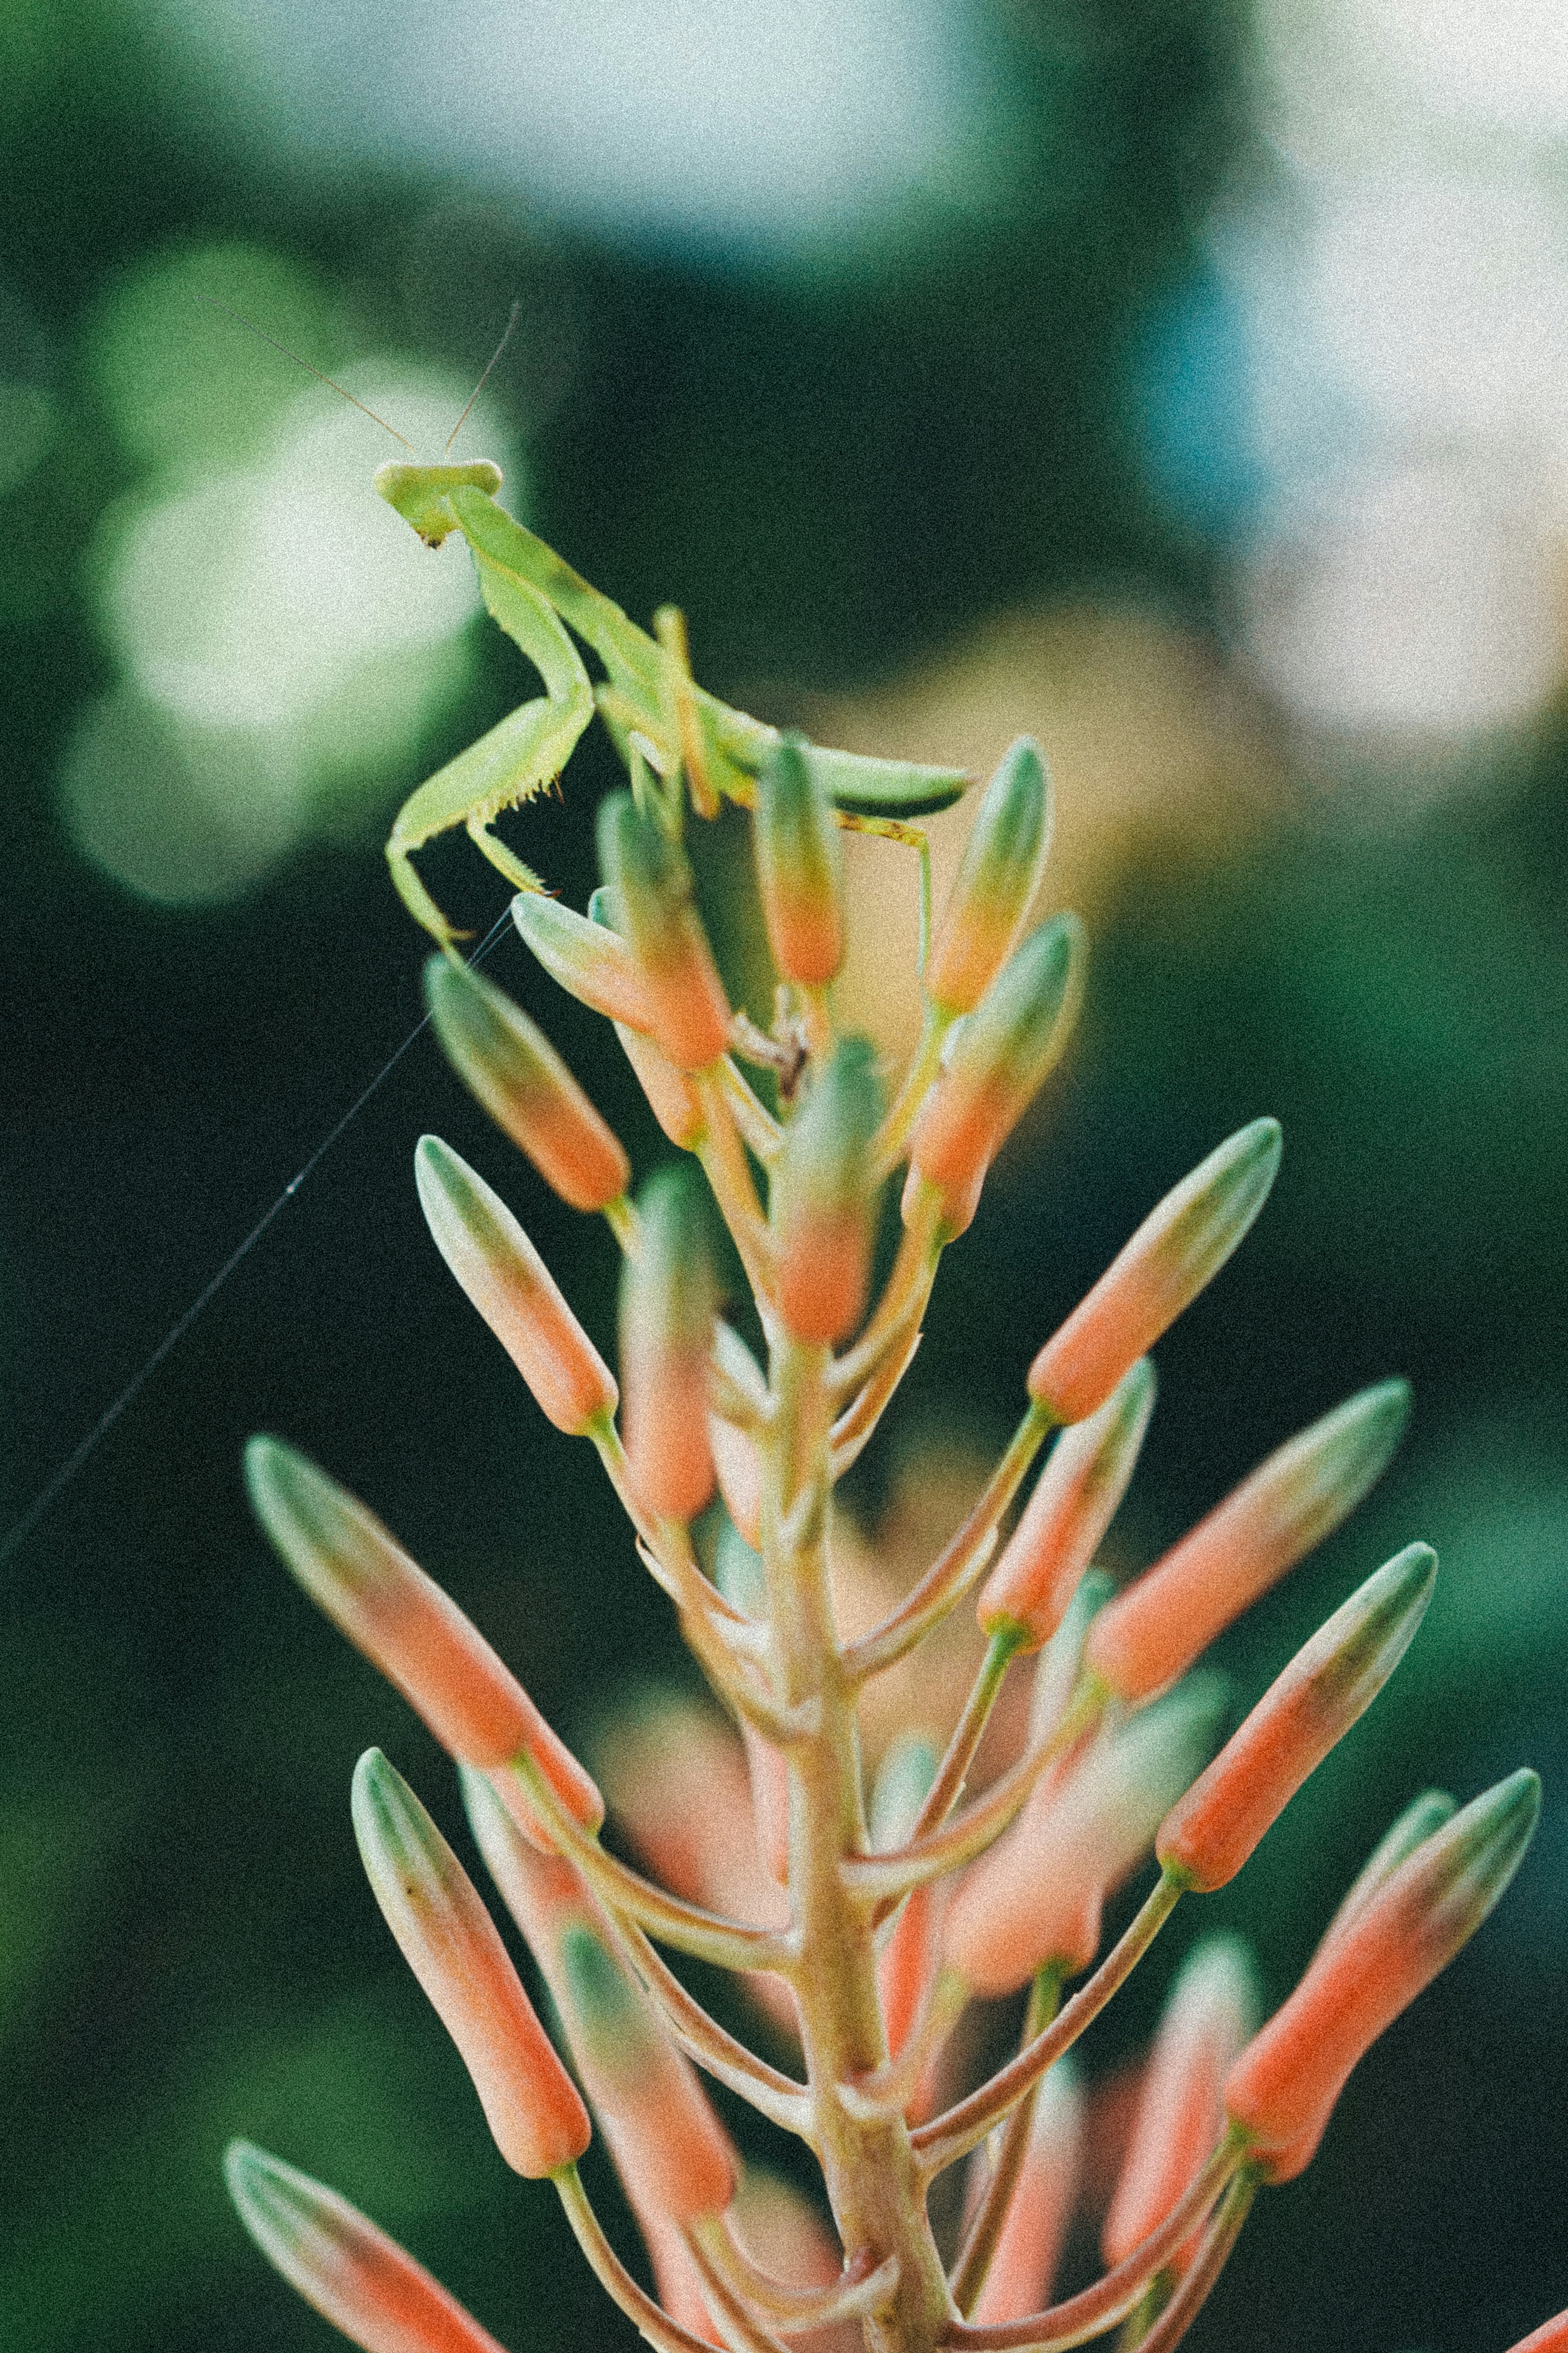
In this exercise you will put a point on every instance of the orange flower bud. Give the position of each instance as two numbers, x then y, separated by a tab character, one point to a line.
648	871
359	1573
1282	2089
668	1302
1331	1679
826	1205
1041	2209
1074	1500
740	1476
989	902
799	866
1425	1814
525	1086
1152	1633
589	960
672	1098
1180	1246
450	1943
508	1282
1551	2337
906	1966
335	2257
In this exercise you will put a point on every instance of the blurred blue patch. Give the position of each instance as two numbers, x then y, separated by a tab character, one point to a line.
1190	378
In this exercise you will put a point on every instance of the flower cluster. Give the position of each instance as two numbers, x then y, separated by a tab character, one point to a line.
865	1910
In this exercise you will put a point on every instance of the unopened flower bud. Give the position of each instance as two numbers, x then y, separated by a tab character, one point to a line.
989	902
907	1965
671	1097
1152	1633
1179	1248
799	866
1551	2337
1074	1500
1331	1681
995	1063
1282	2089
651	877
1040	2211
451	1944
525	1086
508	1282
1425	1814
825	1203
335	2257
590	962
667	1304
359	1573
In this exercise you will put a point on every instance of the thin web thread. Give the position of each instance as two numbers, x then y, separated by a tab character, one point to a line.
50	1494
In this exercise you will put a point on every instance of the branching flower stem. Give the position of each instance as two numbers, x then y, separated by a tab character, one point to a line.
650	2322
979	2241
773	2093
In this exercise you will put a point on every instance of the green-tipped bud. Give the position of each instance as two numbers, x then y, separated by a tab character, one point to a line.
825	1206
590	962
668	1300
1180	1246
1330	1682
514	1290
524	1085
994	1065
650	875
1416	1825
671	1096
338	2260
799	866
990	901
451	1944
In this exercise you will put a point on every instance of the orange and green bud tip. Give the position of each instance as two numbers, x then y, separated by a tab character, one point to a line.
799	866
1551	2337
508	1282
338	2260
990	901
1154	1631
1179	1248
452	1946
1029	1592
1041	2209
587	959
1330	1683
525	1086
364	1581
671	1096
668	1300
651	877
1282	2089
1425	1814
994	1064
825	1204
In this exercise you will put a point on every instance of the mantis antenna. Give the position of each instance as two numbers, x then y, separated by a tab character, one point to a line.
241	321
506	338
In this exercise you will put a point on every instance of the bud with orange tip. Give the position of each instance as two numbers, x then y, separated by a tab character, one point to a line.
1179	1248
824	1204
650	875
1028	1591
1551	2337
514	1290
450	1943
338	2260
359	1573
799	866
1035	1896
994	1064
1331	1681
1425	1814
590	962
525	1086
907	1965
1040	2211
1282	2089
668	1296
989	902
1210	2011
671	1097
1152	1633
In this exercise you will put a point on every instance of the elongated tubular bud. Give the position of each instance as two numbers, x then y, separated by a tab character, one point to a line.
1210	1832
989	902
907	1965
668	1296
1041	2211
825	1204
1179	1247
1152	1633
799	866
360	1575
525	1086
740	1474
1551	2337
1425	1814
668	2144
338	2260
993	1067
450	1943
652	881
1027	1902
588	960
1073	1504
514	1290
672	1099
1282	2089
1211	2011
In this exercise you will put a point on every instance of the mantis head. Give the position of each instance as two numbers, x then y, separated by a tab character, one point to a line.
419	492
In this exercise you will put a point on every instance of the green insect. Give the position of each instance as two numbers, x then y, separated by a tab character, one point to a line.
659	718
